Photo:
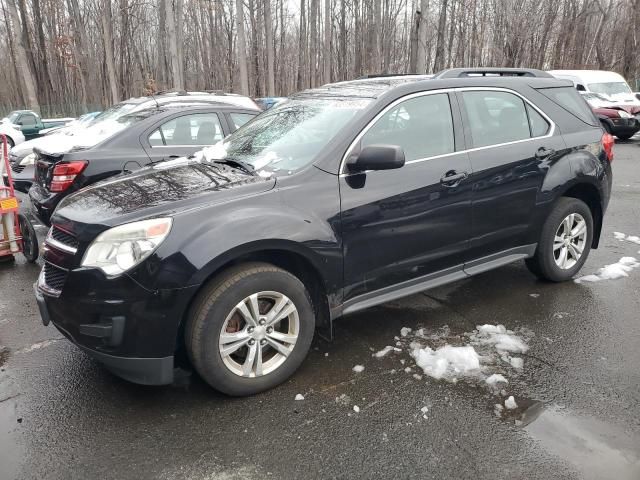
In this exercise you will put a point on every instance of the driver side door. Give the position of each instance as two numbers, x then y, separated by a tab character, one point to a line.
404	228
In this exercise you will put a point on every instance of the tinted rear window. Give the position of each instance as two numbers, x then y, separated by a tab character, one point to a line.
569	99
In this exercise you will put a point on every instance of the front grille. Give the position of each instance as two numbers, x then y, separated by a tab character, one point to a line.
54	277
17	168
64	237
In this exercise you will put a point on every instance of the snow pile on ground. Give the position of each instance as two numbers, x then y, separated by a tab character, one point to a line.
613	271
629	238
486	344
386	350
358	368
495	379
447	361
299	396
510	403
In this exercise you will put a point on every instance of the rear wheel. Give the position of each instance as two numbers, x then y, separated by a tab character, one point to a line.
250	329
565	241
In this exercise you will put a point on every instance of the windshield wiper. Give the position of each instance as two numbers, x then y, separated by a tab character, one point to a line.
246	166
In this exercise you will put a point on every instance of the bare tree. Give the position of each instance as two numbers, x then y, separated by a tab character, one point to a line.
28	82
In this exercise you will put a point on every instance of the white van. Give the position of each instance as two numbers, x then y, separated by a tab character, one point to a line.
609	85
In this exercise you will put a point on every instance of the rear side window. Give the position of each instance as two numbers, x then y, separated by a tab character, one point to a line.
240	119
422	126
197	129
539	126
28	120
495	117
569	99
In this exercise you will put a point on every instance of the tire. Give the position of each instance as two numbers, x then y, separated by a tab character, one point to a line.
624	137
216	308
546	261
29	239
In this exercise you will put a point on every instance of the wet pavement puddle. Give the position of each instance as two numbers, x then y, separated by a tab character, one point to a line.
596	449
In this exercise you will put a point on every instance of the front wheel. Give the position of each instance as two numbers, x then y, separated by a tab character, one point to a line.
250	329
565	241
29	239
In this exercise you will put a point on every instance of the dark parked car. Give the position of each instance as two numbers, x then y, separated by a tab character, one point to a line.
341	198
126	144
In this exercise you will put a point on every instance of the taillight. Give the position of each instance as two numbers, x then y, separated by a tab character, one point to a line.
64	174
607	144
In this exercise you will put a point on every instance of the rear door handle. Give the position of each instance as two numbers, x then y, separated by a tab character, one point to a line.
453	178
544	152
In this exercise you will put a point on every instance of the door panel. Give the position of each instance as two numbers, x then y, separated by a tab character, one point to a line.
398	225
403	224
508	165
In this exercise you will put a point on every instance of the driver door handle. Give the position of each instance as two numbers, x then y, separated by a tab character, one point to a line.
453	178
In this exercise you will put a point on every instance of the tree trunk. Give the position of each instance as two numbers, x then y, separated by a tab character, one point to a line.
438	62
107	31
26	77
327	54
174	59
421	61
268	37
242	48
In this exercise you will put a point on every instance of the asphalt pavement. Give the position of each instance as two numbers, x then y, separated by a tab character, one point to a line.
62	416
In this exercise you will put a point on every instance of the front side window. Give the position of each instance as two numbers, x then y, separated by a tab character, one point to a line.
422	126
28	120
496	117
196	129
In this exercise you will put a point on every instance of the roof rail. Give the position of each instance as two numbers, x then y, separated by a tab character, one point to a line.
491	72
383	75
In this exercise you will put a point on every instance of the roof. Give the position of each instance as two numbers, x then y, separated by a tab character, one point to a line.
361	88
375	87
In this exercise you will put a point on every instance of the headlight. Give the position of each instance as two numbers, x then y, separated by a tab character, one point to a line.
624	114
28	160
121	248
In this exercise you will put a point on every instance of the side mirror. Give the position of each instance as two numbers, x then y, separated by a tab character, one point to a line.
19	122
377	157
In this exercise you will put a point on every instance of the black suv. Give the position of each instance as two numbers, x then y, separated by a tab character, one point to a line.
341	198
67	164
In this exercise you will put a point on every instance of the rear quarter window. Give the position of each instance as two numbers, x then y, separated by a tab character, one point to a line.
569	99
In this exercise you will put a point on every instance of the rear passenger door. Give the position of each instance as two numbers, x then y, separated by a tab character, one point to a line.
511	144
183	135
401	227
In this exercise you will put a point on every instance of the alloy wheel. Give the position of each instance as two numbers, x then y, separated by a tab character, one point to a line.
569	241
259	334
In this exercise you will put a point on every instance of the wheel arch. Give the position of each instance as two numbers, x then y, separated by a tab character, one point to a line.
287	255
589	194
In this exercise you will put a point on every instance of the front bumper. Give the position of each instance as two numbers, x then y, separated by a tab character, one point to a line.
624	126
132	331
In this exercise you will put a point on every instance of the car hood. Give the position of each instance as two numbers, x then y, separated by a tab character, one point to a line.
163	189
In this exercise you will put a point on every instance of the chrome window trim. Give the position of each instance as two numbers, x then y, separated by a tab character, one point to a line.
342	170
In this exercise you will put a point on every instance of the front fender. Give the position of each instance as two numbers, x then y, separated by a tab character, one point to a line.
203	241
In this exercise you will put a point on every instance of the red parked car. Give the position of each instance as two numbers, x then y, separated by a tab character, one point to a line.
623	121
